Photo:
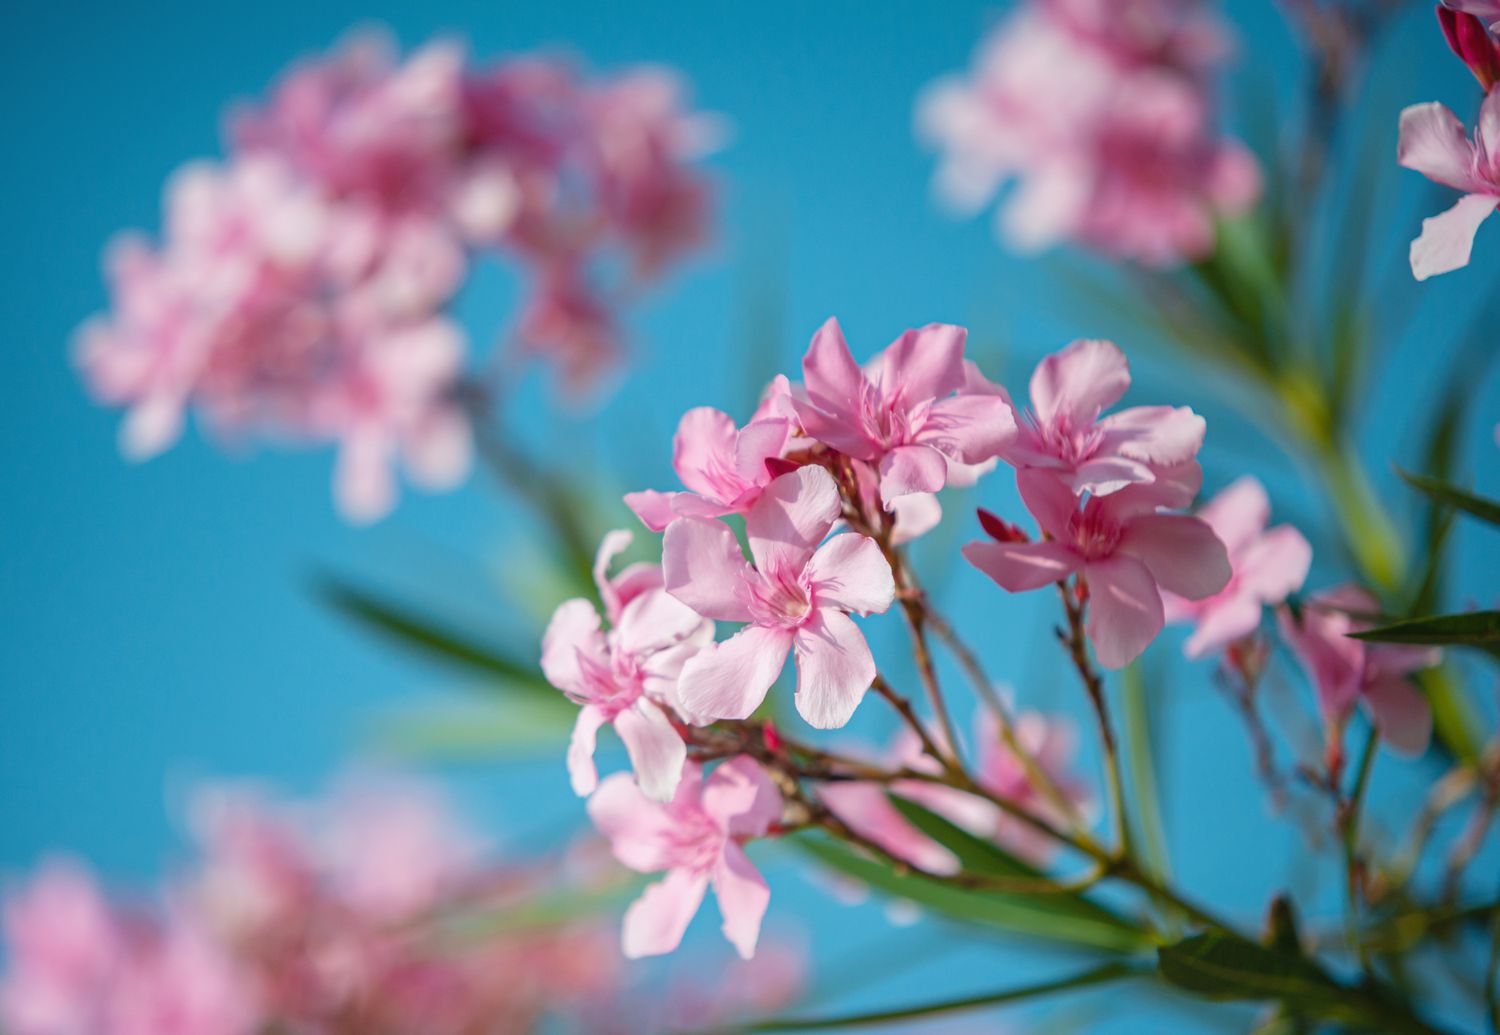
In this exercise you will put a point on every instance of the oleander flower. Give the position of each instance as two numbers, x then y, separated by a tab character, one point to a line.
908	412
1267	565
796	598
1103	113
698	840
625	677
724	468
1433	143
1125	548
1064	433
1346	672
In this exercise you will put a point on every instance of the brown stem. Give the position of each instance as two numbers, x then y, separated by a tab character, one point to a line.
1077	645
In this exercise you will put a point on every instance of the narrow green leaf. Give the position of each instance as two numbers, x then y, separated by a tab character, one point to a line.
1140	763
1485	510
1466	629
1033	917
435	640
1104	974
1218	966
516	728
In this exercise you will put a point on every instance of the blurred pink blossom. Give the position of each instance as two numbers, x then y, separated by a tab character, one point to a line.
1434	144
696	839
1346	672
797	598
1267	565
1103	112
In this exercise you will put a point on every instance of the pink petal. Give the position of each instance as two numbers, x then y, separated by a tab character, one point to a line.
834	668
925	363
574	627
849	573
1049	499
741	798
1182	553
910	469
150	427
1103	475
1018	567
756	443
868	811
833	380
612	545
730	679
915	515
581	771
655	621
1401	714
1221	623
1432	142
703	567
1125	612
970	428
638	829
743	897
656	751
1238	513
1162	435
656	922
1448	238
791	518
440	451
1046	206
364	484
1174	487
1275	565
1079	382
704	444
653	508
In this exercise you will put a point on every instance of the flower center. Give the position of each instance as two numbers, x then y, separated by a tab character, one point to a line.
1063	440
1095	533
779	598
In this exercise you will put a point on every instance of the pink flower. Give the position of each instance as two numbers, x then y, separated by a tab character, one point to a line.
1103	113
1267	565
1126	550
908	412
725	469
696	839
1433	143
866	809
626	677
1064	433
1345	672
796	598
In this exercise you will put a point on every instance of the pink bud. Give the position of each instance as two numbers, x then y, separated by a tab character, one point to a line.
1471	41
999	529
777	466
771	736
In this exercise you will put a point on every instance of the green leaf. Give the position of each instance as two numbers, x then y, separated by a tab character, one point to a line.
1104	974
1218	966
1140	763
1467	629
1036	916
438	641
1485	510
517	728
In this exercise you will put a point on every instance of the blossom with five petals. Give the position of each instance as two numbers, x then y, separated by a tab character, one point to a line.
1126	550
1267	564
697	838
626	676
908	411
796	598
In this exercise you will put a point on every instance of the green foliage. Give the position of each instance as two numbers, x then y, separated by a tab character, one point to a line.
1442	492
1480	629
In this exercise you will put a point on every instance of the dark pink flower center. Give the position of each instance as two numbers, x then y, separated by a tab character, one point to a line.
779	597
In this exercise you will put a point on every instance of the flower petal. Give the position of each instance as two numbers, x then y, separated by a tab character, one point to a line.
653	508
1221	623
730	679
1275	565
1238	513
1125	612
834	668
849	573
581	771
1401	713
1163	435
638	829
1079	382
656	922
1182	553
833	380
703	567
656	751
1432	142
1049	499
791	518
1018	567
970	428
743	897
574	627
924	363
741	798
909	469
1448	238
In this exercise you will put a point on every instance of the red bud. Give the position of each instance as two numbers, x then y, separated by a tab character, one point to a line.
771	736
1471	41
1000	530
777	466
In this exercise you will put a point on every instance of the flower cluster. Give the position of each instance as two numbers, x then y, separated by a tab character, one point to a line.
300	286
334	918
1103	112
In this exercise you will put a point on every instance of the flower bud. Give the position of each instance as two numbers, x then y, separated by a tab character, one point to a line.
1000	530
1471	41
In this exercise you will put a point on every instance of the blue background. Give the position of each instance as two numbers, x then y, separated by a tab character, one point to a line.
155	624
